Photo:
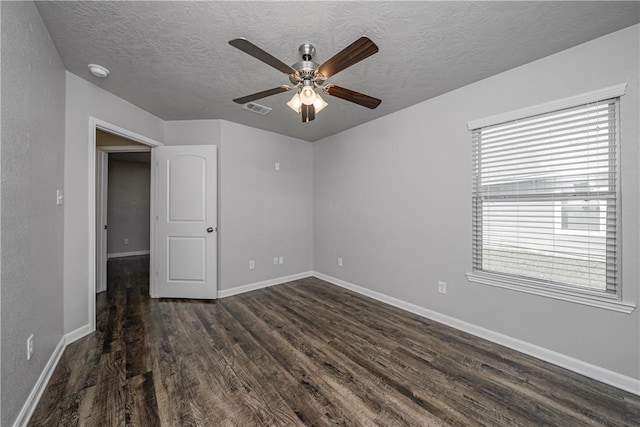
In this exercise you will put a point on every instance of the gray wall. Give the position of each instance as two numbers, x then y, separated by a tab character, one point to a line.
84	100
393	199
262	212
32	153
128	202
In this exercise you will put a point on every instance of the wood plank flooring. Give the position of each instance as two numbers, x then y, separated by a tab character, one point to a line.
302	353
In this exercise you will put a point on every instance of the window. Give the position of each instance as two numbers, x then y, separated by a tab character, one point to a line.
545	200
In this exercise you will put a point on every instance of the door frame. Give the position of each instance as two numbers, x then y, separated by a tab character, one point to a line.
94	124
102	188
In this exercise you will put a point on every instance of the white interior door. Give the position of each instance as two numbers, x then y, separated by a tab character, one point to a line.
186	226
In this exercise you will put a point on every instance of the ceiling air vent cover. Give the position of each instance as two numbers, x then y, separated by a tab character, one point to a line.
256	108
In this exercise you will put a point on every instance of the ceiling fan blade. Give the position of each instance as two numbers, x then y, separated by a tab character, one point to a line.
263	94
247	47
308	113
350	55
353	96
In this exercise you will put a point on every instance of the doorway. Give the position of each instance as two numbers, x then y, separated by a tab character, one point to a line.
123	193
97	172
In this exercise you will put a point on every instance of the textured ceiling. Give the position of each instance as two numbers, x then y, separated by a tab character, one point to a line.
173	60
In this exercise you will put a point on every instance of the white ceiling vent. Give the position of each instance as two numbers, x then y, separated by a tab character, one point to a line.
256	108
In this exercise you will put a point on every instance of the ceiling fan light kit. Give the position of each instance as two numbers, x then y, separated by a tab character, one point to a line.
296	103
308	76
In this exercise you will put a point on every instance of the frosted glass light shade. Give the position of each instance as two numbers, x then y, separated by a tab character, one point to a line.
319	103
307	95
295	104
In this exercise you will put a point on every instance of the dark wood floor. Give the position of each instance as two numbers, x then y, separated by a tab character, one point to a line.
302	353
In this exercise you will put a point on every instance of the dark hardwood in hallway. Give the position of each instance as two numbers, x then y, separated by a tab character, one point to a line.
302	353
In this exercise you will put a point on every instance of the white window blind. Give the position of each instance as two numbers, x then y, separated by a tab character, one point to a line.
545	198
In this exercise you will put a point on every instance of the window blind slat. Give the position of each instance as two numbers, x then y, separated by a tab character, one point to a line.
560	166
542	196
586	150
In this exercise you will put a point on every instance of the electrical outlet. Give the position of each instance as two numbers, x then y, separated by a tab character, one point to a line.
281	260
442	287
59	197
126	241
252	264
30	347
339	262
277	166
275	260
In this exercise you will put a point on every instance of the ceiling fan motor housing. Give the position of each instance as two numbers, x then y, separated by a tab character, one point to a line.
307	67
307	51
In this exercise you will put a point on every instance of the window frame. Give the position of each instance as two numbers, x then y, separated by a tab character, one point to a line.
574	294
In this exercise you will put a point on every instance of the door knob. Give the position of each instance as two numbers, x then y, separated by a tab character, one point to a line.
210	230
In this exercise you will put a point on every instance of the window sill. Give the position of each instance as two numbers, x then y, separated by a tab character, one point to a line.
530	287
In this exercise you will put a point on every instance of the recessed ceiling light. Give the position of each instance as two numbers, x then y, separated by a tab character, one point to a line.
98	70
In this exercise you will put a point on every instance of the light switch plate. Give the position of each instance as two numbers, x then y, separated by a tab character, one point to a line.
442	287
30	347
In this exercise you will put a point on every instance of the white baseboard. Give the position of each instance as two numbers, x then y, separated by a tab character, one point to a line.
265	284
77	334
36	393
124	254
606	376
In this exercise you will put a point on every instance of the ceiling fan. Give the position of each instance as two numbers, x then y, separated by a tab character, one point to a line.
307	76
